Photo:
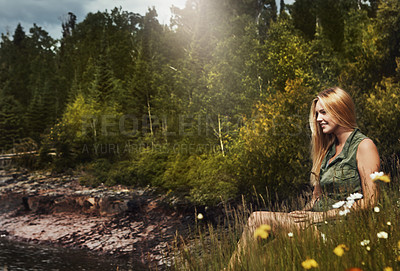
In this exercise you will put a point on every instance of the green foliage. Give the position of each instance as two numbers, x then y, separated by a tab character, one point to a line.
304	17
388	25
362	57
146	167
213	180
10	122
276	143
179	87
202	179
123	172
381	120
85	127
28	71
286	55
150	166
96	173
234	77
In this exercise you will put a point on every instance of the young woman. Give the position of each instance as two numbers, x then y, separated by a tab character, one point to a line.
343	159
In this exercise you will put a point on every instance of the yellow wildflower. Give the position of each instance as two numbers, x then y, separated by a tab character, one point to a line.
388	268
384	178
309	263
339	250
262	231
398	244
379	176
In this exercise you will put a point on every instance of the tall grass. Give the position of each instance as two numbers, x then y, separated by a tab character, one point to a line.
211	246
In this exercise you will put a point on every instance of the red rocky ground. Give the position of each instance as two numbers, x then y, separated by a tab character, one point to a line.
42	208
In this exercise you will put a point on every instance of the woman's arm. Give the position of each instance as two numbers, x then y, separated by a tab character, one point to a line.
306	215
313	217
367	162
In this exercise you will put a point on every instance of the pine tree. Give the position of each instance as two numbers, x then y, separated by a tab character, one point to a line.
388	25
19	36
11	122
303	13
68	25
19	70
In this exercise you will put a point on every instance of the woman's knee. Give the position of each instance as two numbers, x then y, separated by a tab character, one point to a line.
257	218
251	221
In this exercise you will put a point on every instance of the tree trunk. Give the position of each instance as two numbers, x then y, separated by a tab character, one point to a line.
150	120
220	135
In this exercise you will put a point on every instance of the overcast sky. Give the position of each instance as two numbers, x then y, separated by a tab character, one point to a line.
48	14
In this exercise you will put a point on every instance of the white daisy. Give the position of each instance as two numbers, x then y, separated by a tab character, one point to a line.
364	242
355	196
323	237
382	235
376	174
349	203
344	212
338	204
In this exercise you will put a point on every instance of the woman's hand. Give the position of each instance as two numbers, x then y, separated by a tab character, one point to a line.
306	217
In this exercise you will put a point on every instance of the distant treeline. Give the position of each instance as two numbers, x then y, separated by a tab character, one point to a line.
211	107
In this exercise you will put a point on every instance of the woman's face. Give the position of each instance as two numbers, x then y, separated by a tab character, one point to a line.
324	119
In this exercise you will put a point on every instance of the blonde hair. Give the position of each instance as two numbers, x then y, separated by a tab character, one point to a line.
340	106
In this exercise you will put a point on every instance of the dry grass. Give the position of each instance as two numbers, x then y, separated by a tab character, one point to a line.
212	246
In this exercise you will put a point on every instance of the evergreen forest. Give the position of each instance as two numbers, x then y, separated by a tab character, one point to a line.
208	108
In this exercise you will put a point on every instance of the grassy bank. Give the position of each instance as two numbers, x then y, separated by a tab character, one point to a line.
368	240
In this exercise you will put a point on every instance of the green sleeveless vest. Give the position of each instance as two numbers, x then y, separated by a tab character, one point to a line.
340	178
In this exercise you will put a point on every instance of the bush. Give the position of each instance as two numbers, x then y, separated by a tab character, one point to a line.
202	179
276	144
145	168
381	117
213	179
96	173
123	172
149	166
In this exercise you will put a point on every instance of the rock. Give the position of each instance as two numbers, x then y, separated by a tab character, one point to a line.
25	203
92	201
16	175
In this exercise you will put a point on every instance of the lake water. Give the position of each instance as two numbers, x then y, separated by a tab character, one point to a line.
15	256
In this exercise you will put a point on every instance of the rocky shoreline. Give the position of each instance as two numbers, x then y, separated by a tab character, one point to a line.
39	207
